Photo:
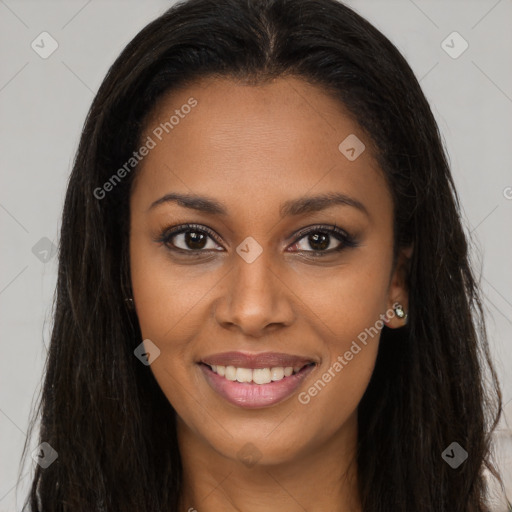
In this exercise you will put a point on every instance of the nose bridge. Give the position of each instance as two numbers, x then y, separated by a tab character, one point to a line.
255	297
253	269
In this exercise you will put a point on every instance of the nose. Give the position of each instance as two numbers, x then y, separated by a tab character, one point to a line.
255	298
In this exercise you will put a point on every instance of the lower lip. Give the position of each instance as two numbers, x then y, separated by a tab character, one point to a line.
253	396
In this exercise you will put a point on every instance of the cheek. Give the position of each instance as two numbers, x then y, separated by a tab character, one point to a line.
167	296
170	302
349	307
163	312
159	306
346	299
339	384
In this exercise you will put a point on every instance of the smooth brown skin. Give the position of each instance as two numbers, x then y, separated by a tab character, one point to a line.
252	148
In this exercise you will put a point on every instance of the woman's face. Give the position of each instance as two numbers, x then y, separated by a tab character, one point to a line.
253	162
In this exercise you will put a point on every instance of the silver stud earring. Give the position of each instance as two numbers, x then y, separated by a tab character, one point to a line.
399	311
129	302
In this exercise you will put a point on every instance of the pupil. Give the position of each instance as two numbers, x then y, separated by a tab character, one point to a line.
194	239
314	241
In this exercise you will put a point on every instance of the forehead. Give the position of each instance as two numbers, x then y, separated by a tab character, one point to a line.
260	142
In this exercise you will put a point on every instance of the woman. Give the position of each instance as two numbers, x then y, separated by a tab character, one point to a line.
264	298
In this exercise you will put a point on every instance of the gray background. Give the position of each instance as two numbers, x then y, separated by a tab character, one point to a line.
43	103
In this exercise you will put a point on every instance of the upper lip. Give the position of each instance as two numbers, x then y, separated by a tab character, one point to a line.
253	361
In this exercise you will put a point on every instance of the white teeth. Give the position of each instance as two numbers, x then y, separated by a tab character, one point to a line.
261	376
244	375
230	373
277	373
258	375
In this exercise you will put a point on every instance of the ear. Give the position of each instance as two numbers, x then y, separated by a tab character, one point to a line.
398	292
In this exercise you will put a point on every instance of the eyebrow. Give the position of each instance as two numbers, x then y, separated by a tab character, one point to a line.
292	207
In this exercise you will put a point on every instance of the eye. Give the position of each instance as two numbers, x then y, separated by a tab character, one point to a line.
188	238
323	240
194	239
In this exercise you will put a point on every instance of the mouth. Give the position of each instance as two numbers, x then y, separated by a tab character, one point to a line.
258	376
255	381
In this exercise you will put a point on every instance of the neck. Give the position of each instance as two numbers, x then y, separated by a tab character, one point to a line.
321	477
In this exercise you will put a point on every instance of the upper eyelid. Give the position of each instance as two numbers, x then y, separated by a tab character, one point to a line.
332	228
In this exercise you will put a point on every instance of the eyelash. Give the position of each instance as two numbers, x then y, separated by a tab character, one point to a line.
346	240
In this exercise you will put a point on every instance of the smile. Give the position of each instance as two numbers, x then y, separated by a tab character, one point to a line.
255	381
258	375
